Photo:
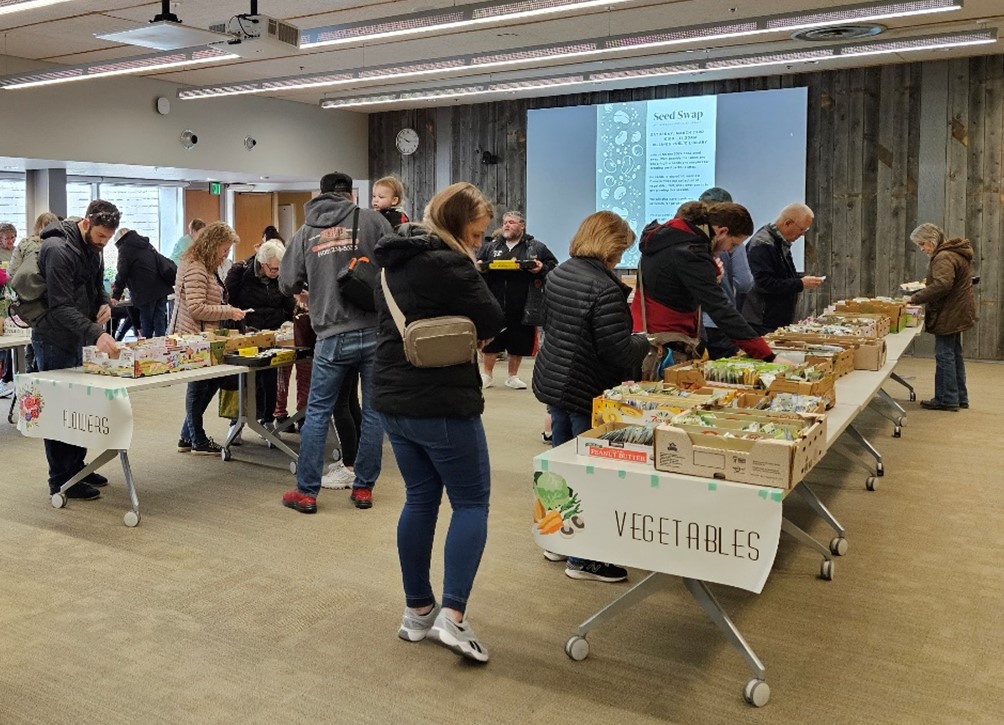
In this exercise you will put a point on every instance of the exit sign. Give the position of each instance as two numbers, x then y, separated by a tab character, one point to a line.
215	187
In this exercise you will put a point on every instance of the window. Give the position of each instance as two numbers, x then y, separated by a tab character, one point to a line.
12	205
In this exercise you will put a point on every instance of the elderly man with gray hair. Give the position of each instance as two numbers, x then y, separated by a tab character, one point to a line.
776	282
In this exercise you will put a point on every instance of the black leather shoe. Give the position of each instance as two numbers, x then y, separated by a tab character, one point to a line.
95	479
964	406
82	492
933	404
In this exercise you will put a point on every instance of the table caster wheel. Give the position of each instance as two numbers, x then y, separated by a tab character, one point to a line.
879	469
292	468
897	432
838	546
577	648
756	693
826	570
871	483
225	454
913	396
131	519
58	500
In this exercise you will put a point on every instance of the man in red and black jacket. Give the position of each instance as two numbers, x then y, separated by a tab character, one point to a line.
680	275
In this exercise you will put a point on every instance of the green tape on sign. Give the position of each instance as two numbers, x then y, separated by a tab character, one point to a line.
712	486
543	464
590	470
762	493
654	481
622	474
776	496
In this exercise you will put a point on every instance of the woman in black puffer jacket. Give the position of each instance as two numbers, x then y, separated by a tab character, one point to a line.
588	346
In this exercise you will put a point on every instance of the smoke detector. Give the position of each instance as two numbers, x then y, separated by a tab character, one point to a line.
838	32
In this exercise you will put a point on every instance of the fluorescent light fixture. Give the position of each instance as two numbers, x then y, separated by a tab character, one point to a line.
123	66
788	58
17	6
593	48
469	16
164	35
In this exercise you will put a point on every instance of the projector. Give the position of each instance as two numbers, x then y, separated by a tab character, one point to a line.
257	36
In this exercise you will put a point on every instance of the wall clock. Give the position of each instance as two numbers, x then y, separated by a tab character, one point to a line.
407	141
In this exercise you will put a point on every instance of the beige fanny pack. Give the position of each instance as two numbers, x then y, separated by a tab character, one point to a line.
435	342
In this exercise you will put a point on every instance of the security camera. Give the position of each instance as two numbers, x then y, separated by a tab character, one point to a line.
189	139
249	142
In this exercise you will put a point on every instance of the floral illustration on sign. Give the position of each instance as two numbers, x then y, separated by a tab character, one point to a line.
31	403
556	508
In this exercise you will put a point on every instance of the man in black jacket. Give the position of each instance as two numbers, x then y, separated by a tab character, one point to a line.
511	287
70	261
150	277
776	282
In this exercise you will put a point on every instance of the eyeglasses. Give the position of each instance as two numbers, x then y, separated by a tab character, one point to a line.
274	269
801	230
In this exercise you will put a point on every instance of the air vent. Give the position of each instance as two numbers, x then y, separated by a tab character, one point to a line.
838	32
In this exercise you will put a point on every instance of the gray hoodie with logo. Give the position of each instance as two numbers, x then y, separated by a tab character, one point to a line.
317	254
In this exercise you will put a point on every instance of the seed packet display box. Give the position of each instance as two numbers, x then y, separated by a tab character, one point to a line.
754	400
869	353
867	324
689	375
268	357
840	363
766	462
226	342
155	356
893	310
660	407
590	445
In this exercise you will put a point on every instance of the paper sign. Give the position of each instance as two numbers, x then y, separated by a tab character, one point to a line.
633	515
84	415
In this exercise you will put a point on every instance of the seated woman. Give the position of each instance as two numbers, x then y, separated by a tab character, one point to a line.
588	346
678	278
254	285
433	415
200	304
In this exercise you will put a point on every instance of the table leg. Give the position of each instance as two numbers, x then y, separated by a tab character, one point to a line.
131	517
838	545
902	381
58	499
826	569
248	393
869	448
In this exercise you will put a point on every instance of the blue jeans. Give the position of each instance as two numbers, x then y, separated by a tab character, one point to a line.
198	396
950	370
65	459
153	318
433	454
565	426
334	357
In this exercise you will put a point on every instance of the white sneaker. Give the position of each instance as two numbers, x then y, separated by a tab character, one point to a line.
458	637
414	626
238	439
6	390
487	380
515	383
338	477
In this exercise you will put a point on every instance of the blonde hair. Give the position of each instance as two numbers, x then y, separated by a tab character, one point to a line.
452	209
603	236
44	219
928	232
394	184
205	249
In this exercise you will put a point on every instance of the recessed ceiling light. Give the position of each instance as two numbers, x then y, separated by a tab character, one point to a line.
16	6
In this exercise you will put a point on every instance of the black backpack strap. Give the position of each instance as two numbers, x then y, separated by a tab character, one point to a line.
355	228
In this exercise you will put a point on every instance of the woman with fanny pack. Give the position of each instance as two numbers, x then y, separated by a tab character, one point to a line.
432	415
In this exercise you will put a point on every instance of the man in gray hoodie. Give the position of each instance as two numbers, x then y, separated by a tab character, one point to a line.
319	251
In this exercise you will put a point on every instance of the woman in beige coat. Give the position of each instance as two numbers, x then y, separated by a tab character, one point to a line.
200	305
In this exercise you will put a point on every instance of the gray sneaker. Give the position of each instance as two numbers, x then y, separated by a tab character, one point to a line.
415	626
458	637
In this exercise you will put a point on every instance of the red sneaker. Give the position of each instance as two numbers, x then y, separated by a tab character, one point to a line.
362	498
301	502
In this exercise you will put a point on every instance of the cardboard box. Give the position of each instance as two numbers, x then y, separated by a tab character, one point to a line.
870	324
650	408
841	362
590	444
691	375
225	342
913	316
760	401
765	462
154	356
890	308
869	353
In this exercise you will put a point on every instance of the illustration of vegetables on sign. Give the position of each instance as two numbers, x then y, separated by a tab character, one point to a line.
556	508
31	404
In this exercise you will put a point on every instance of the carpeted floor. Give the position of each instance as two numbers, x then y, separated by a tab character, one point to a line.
225	607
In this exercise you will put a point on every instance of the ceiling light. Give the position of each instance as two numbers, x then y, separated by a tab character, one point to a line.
123	66
165	35
438	21
16	7
811	56
594	48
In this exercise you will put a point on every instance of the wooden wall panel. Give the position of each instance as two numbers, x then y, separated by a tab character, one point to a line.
201	205
253	212
862	176
417	171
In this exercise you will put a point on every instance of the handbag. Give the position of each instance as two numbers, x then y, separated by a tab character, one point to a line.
167	270
435	342
358	281
533	309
